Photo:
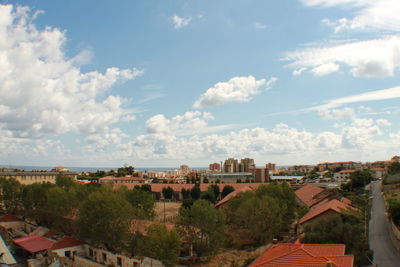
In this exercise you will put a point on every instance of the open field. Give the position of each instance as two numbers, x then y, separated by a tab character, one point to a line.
171	210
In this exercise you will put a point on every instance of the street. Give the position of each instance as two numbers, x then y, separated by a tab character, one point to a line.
385	254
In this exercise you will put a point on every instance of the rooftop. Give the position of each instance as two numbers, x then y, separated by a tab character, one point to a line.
327	205
66	242
307	193
304	255
33	243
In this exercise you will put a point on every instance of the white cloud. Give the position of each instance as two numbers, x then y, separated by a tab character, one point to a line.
43	92
368	14
337	114
237	89
299	71
260	26
384	94
190	123
374	58
325	69
180	22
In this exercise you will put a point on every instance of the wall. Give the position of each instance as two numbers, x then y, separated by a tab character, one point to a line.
394	235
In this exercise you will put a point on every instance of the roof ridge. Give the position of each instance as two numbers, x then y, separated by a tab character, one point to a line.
287	253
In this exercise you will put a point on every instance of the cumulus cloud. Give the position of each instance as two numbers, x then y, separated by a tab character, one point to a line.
43	92
189	123
180	22
368	14
373	58
355	136
237	89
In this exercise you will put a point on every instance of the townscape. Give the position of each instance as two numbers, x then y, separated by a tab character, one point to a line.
231	214
229	133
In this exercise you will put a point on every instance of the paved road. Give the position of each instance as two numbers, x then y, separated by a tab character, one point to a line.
385	254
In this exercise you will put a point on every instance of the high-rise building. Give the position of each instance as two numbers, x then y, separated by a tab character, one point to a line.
246	165
271	167
261	175
215	167
184	169
231	165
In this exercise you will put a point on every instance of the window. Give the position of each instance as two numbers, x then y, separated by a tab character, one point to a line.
67	254
119	261
104	257
91	252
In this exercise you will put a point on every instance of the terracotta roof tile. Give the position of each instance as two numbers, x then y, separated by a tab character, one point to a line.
66	242
307	193
327	205
304	255
33	243
9	218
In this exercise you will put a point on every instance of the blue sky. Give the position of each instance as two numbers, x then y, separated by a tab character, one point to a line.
164	83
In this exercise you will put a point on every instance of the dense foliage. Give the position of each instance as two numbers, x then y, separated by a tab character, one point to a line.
256	217
348	229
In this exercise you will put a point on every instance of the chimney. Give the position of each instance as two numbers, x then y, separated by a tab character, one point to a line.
329	264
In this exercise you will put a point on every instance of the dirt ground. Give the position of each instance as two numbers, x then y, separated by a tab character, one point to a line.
171	210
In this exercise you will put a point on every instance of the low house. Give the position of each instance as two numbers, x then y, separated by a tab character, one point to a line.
343	176
306	194
12	226
33	244
323	209
233	194
304	255
311	195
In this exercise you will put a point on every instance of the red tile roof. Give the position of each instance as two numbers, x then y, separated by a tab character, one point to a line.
326	205
233	194
304	255
9	218
66	242
33	243
307	193
128	178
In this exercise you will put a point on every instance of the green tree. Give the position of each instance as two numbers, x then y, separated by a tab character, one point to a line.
146	187
142	202
345	229
394	210
159	243
65	181
11	191
208	195
253	220
227	190
394	168
215	189
359	179
195	192
203	225
105	218
168	192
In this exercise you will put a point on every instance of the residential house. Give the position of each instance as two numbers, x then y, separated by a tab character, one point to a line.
304	255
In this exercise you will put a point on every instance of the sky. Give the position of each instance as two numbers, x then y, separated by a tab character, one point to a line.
164	83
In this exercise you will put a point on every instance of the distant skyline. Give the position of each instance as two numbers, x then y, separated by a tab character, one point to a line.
165	83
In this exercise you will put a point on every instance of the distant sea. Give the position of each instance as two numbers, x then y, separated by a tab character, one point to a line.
88	169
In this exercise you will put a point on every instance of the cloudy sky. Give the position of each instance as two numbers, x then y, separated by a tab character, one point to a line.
164	83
